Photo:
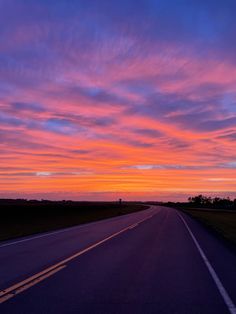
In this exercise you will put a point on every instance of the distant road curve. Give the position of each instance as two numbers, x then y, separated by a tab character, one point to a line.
154	261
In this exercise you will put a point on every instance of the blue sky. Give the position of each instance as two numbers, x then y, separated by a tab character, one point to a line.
132	97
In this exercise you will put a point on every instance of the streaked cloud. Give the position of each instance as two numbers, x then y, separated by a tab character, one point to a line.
221	179
150	167
137	96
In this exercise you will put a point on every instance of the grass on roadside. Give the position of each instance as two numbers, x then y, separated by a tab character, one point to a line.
31	218
223	222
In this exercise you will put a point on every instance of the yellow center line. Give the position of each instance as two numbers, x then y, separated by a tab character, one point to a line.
21	286
29	285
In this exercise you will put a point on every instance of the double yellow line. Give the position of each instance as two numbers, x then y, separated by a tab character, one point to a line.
21	286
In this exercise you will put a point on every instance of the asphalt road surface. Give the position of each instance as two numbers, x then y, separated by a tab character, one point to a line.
155	261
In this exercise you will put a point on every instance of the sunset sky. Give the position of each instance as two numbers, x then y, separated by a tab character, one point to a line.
106	99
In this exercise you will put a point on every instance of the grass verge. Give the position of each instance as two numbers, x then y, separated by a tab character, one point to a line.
31	218
223	222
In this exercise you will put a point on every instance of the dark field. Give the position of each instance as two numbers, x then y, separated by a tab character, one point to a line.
21	217
223	222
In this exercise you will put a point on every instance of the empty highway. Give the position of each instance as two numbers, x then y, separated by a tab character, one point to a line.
154	261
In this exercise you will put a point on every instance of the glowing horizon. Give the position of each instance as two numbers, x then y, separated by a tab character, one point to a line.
101	100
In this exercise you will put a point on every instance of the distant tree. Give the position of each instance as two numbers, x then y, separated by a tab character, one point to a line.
197	200
217	202
190	199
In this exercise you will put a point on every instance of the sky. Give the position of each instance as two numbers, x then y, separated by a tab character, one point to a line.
107	99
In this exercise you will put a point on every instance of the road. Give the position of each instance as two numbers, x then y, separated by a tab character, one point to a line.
155	261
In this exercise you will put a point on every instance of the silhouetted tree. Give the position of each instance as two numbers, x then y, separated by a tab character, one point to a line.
208	202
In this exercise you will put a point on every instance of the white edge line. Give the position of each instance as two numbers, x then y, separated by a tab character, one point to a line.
228	301
47	234
133	226
16	287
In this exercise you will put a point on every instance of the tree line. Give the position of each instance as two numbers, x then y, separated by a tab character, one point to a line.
212	202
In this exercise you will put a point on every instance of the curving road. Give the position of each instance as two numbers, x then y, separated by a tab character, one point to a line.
154	261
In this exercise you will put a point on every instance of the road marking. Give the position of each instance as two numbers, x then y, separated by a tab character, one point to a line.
133	226
26	286
228	301
19	287
39	236
60	231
